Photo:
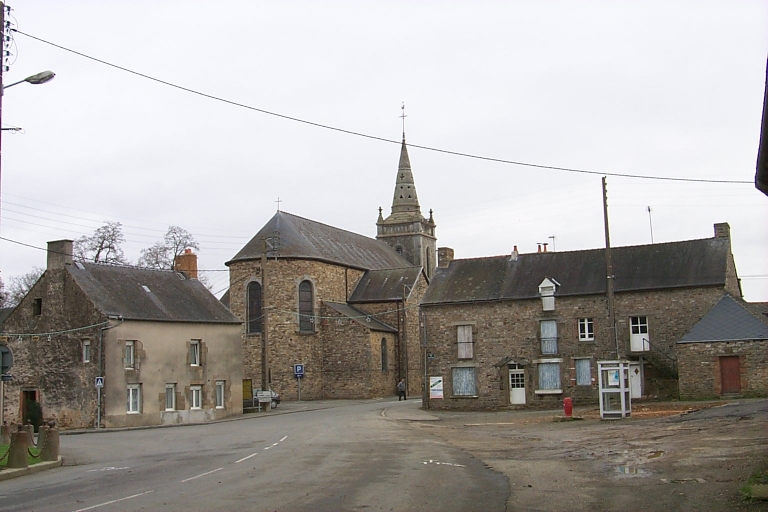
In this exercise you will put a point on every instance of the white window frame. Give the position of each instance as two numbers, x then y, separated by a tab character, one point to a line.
586	329
170	388
464	342
196	397
194	353
583	361
549	391
642	337
130	355
220	388
86	351
133	398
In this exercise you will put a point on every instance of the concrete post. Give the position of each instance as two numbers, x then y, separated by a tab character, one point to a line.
17	453
50	450
41	434
5	434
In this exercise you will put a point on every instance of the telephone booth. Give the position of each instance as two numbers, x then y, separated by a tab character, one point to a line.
615	389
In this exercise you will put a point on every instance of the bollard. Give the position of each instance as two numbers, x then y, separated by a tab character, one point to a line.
50	449
568	407
5	434
17	453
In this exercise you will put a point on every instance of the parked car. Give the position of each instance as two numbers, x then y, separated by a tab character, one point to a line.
275	396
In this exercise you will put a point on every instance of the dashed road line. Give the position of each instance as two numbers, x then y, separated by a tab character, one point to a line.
108	468
113	501
444	463
203	474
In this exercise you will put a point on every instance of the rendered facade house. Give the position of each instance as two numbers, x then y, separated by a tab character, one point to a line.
529	329
726	352
168	350
342	304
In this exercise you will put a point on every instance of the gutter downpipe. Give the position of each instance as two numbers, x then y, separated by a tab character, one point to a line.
101	363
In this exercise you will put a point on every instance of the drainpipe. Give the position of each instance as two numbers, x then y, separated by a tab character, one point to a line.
101	363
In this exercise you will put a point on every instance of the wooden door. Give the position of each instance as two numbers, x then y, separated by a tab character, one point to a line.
730	374
516	384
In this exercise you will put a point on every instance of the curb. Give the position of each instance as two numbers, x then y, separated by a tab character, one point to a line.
7	474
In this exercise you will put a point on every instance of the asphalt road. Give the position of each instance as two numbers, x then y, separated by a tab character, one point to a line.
350	456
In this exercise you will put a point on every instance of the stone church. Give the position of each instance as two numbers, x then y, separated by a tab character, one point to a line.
343	305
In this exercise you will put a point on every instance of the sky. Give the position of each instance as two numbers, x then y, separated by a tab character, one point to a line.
670	89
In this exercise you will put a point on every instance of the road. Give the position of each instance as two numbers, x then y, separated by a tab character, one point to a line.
352	456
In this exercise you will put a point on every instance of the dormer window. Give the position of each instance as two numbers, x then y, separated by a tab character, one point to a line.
547	290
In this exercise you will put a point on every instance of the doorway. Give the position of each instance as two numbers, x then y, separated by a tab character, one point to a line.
635	380
516	384
30	408
730	374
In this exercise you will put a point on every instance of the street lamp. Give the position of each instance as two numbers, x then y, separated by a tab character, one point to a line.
39	78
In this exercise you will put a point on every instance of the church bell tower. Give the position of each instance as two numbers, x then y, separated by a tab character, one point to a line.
405	229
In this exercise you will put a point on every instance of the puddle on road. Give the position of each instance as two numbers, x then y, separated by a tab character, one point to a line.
631	470
656	454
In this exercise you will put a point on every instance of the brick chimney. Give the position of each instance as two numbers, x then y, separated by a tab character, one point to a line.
444	256
187	263
722	230
59	254
514	255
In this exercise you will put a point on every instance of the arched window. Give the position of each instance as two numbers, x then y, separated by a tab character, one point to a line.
254	308
384	362
306	310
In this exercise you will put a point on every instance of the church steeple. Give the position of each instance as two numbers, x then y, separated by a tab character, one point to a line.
405	199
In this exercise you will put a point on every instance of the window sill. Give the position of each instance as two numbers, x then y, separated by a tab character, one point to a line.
133	412
587	340
548	392
195	408
465	396
220	407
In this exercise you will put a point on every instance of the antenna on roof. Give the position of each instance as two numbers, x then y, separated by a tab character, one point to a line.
403	116
650	221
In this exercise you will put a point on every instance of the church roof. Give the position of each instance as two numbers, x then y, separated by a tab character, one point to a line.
642	267
385	285
154	295
301	238
405	201
728	320
360	317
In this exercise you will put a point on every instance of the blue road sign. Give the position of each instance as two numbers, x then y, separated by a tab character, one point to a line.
298	370
99	382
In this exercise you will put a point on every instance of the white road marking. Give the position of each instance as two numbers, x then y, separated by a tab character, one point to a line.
113	501
444	463
246	458
198	476
283	439
108	468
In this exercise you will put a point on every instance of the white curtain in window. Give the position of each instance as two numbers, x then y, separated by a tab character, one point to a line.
549	375
583	372
464	382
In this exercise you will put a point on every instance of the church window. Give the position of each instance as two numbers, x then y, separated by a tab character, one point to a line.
306	313
254	308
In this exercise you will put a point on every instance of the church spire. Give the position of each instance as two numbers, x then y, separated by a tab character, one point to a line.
405	199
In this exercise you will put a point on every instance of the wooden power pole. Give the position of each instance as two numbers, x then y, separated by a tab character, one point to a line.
609	272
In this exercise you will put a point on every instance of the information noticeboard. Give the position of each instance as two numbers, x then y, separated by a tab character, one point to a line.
435	387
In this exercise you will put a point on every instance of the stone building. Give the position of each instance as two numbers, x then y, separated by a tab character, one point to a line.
726	352
169	351
343	305
527	329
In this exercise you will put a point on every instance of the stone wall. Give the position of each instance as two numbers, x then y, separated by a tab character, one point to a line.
699	365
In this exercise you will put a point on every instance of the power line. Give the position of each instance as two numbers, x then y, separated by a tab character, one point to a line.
373	137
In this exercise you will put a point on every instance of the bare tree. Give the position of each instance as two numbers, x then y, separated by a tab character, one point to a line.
3	295
163	254
103	246
19	286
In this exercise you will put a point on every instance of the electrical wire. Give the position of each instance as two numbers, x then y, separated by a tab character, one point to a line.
373	137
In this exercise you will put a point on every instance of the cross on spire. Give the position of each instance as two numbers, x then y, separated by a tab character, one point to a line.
278	203
403	116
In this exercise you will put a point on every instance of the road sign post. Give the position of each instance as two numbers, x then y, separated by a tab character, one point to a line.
6	361
298	372
99	383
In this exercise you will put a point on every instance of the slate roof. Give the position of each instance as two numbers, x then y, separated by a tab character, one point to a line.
385	285
118	291
4	313
359	317
302	238
728	320
642	267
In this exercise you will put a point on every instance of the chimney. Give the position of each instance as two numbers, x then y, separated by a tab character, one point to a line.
539	250
59	254
514	255
187	263
444	256
722	230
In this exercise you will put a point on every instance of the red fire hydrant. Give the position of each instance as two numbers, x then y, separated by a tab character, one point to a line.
568	407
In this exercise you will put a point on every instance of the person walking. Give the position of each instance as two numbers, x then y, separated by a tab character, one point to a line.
401	390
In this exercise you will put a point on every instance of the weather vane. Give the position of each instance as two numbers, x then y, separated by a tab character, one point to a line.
403	116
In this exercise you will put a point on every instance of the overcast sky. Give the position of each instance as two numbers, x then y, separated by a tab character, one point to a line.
667	89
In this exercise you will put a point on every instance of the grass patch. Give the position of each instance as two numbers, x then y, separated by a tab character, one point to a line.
33	458
757	478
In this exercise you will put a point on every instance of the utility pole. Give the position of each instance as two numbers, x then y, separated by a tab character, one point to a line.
264	346
609	272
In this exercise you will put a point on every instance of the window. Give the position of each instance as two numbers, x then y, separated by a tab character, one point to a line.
219	394
549	377
37	307
254	308
196	397
130	355
134	399
548	337
463	380
583	372
384	362
586	329
86	351
194	353
464	341
638	337
170	397
306	311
